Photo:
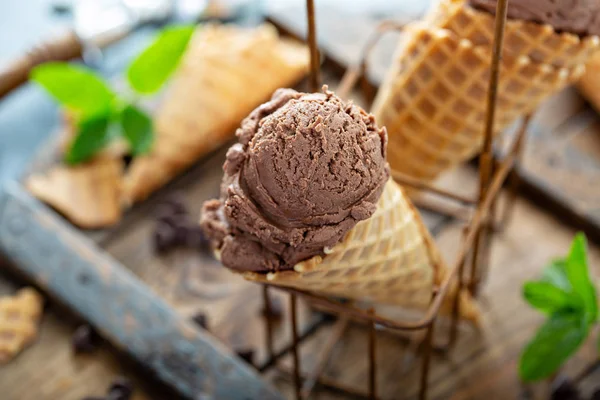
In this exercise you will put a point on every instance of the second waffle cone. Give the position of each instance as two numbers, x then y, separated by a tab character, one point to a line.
433	101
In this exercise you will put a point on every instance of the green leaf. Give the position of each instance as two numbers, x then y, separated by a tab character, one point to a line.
548	298
556	274
154	65
554	343
77	88
93	134
579	276
137	129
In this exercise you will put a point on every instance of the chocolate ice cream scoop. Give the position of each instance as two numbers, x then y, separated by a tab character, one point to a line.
306	169
581	17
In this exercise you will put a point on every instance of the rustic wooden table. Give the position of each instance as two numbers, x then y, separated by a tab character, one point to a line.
483	364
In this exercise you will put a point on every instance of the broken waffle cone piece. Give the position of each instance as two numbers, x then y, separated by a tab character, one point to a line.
226	73
19	320
589	84
86	194
433	101
389	258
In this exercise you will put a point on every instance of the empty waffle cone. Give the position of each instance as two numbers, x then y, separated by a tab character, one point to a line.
388	258
433	101
226	72
540	42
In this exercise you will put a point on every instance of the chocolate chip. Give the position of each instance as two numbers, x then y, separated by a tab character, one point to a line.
182	232
166	215
84	339
195	238
201	320
165	237
275	310
246	355
120	389
176	203
564	389
595	395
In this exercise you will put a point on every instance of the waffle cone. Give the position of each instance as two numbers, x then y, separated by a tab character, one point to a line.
540	42
433	101
225	74
389	258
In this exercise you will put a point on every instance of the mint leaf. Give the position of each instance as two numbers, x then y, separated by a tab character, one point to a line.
92	135
77	88
153	66
556	274
579	276
137	129
548	298
554	343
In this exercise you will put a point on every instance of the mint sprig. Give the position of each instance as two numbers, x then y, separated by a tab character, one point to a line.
566	293
561	335
154	65
93	135
550	299
101	115
76	88
137	129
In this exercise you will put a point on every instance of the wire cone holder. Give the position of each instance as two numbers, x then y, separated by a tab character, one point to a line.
445	293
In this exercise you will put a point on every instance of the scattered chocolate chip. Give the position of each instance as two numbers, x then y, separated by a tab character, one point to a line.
275	310
120	389
167	216
182	231
84	339
595	395
246	355
195	238
201	320
564	389
165	237
176	203
174	227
